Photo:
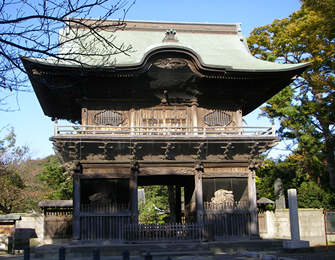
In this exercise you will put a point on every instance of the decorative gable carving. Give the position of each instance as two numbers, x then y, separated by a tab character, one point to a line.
170	36
170	63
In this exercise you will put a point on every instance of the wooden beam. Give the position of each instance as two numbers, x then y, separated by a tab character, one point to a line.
106	175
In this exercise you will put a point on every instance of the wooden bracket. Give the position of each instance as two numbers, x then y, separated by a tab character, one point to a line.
106	148
227	149
168	149
200	148
134	148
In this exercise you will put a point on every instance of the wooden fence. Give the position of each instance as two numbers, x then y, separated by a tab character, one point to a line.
228	224
57	227
103	227
168	232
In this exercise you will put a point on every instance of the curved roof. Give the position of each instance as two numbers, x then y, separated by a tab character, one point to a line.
204	62
215	45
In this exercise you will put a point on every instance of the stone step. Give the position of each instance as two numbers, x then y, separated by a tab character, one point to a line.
179	253
115	250
177	250
176	247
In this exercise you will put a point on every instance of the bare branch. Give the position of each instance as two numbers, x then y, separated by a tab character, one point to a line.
31	28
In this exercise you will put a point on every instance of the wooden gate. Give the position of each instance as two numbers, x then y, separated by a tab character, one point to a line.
57	227
262	226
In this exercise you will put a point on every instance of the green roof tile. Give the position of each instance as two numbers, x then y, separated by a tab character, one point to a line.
219	48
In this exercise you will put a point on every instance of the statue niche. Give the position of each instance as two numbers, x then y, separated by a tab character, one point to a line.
100	198
223	196
103	193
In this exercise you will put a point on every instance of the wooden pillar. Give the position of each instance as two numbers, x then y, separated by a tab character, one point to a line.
132	116
76	207
194	114
188	193
253	204
134	197
178	203
199	196
172	204
84	116
239	119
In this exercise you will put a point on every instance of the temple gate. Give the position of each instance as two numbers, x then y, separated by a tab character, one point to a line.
170	113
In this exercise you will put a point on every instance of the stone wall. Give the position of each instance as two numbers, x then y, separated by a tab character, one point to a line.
29	231
311	223
30	226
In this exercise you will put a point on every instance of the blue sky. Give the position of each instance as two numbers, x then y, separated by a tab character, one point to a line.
33	128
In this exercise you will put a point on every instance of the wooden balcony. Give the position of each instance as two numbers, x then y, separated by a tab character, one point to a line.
154	132
158	144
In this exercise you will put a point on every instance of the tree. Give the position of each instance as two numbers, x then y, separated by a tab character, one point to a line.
31	28
306	108
12	194
57	179
156	202
11	183
25	182
9	152
293	174
327	10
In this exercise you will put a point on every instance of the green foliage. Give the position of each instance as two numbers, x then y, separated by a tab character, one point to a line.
156	202
325	9
305	109
25	182
150	214
12	184
294	174
12	194
57	179
157	194
310	195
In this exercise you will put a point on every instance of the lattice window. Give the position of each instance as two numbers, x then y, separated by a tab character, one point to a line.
217	118
164	117
152	122
108	117
175	121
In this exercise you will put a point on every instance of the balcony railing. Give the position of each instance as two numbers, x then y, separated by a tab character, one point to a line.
161	131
